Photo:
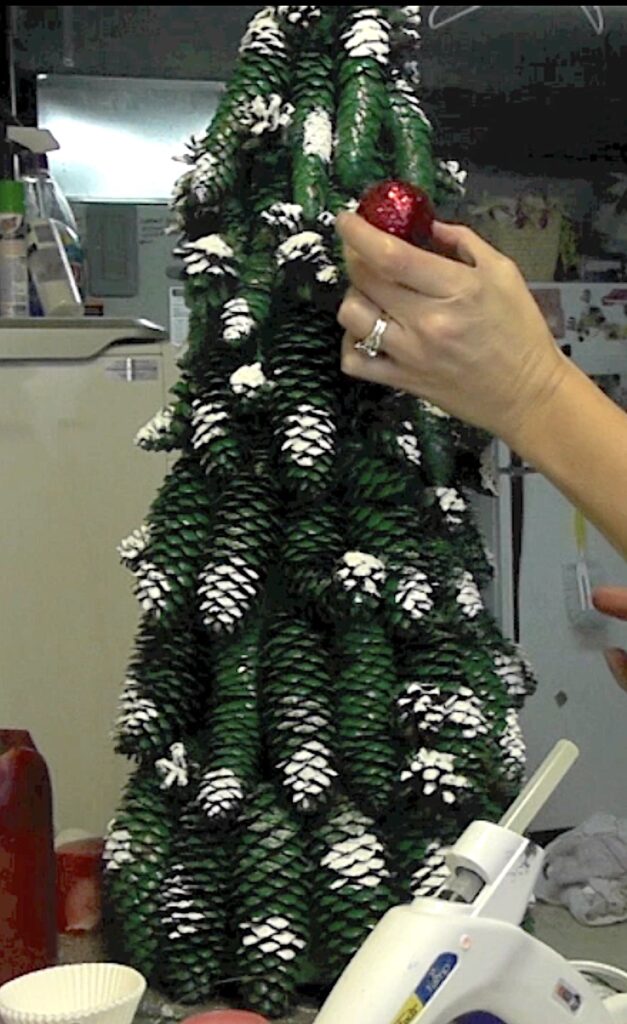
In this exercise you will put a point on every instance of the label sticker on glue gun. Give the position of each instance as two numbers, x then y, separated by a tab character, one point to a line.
425	990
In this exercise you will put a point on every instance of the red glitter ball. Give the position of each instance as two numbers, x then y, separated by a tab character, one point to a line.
400	209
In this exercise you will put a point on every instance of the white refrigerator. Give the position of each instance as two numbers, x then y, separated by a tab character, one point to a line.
534	537
73	394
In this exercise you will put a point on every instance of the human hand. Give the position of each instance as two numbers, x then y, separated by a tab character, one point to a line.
464	331
613	601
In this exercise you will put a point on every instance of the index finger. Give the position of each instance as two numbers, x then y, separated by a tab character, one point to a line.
395	260
611	601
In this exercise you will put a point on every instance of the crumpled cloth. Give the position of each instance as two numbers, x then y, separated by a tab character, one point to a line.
585	870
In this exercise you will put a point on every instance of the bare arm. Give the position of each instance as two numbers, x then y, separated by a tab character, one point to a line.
578	439
465	333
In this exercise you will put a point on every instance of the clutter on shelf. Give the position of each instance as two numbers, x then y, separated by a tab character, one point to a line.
532	229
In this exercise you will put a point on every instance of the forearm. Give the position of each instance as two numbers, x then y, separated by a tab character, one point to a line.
578	440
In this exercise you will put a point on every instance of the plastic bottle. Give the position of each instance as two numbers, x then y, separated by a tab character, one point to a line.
51	272
13	266
28	936
45	199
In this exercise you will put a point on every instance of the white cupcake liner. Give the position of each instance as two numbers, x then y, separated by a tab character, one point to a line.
74	994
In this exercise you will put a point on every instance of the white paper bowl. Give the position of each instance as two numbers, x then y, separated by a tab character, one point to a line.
74	994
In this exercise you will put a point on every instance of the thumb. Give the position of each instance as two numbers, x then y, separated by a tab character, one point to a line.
617	662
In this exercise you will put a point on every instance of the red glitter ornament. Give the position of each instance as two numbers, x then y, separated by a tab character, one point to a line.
400	209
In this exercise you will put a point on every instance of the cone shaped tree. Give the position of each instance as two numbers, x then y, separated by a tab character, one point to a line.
318	700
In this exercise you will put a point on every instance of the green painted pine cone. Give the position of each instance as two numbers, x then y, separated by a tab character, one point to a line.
365	690
436	440
312	544
411	133
352	882
305	371
312	131
245	314
374	479
299	713
271	905
230	767
363	98
245	534
136	855
419	856
193	914
216	159
177	538
163	695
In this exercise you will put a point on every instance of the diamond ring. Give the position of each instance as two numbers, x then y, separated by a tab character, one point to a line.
371	344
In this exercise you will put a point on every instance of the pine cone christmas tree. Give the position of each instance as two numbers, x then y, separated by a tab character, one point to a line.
319	700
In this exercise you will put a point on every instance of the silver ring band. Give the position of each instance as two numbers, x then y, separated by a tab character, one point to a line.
371	344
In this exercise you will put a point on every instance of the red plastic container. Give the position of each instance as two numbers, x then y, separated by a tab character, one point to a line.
28	937
79	889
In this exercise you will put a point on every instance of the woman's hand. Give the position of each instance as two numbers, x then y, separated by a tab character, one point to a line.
464	332
613	601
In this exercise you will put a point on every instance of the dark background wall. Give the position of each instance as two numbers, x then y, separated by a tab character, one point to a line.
520	88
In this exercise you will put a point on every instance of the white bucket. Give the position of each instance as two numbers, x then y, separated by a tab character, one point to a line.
74	994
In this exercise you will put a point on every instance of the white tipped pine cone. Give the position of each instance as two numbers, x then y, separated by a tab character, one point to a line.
152	588
273	936
308	774
221	792
421	705
368	36
117	847
226	591
209	255
361	575
408	444
512	744
284	216
511	671
309	433
134	545
452	504
414	593
209	420
135	712
264	34
433	771
238	323
308	247
156	430
464	711
468	596
358	860
432	874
